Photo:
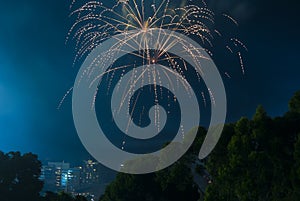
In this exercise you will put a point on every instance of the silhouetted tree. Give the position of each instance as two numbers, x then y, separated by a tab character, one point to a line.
19	177
294	104
295	174
131	187
176	182
80	198
262	159
50	196
173	183
62	196
255	159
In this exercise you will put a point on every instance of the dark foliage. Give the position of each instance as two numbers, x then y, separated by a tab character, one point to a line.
255	159
62	196
259	159
19	177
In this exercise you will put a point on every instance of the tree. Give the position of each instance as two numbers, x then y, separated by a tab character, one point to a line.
244	172
294	104
50	196
19	177
295	174
176	182
262	159
80	198
131	187
62	196
257	159
173	183
261	126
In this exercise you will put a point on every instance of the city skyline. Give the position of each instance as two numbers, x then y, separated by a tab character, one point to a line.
36	71
89	179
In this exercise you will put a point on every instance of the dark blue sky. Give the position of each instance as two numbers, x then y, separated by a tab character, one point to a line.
36	70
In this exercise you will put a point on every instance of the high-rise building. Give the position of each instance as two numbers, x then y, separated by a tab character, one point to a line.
71	179
53	175
83	180
90	173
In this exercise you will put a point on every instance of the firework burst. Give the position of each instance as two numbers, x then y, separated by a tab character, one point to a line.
96	22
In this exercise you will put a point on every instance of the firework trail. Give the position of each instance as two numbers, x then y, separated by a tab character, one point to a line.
95	23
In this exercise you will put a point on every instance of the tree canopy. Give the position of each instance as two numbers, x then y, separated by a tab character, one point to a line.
62	196
255	159
294	104
173	183
260	161
19	177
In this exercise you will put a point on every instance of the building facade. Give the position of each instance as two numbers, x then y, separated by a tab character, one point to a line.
60	176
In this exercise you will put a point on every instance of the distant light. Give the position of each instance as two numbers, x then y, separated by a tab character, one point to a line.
123	1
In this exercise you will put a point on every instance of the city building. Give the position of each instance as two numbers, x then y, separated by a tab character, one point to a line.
70	179
53	175
90	173
82	180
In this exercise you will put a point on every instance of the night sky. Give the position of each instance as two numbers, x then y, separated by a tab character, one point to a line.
36	70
